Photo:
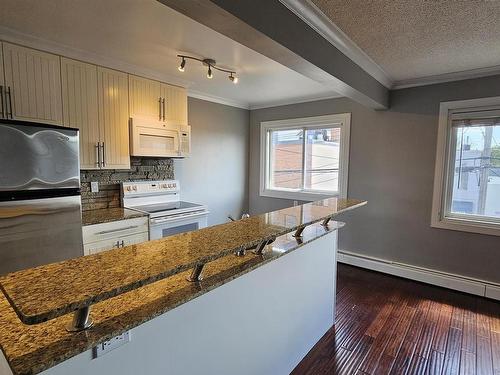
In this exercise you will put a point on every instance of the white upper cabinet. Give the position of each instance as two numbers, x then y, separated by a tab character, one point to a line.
33	84
149	98
145	98
80	109
95	100
175	107
112	91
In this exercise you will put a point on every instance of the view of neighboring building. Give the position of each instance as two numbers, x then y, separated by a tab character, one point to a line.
476	182
320	160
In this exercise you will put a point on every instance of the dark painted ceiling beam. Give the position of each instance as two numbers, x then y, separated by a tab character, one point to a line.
268	27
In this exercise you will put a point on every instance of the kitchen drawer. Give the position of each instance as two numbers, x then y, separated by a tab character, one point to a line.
114	243
114	229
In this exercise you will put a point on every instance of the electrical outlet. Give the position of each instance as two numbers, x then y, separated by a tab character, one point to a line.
111	344
94	187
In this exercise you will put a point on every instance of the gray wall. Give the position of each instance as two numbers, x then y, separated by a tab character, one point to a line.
216	174
391	165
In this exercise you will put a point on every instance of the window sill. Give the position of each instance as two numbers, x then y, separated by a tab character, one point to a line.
297	195
467	226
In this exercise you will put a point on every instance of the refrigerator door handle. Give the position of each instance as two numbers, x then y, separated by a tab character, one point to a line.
9	106
1	100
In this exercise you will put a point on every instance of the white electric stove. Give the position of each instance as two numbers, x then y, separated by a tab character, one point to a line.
161	200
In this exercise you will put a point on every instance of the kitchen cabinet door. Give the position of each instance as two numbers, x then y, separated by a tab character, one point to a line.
175	104
34	80
145	98
112	91
80	109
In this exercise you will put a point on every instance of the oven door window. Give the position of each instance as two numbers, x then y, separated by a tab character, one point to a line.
179	229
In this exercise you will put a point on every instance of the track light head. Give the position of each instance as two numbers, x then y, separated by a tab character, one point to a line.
209	73
183	64
233	79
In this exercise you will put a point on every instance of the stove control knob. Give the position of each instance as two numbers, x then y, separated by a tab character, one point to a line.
135	188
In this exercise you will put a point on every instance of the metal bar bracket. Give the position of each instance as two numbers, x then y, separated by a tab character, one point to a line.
298	232
261	246
197	274
81	320
326	221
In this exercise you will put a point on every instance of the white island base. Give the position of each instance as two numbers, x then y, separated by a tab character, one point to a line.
263	322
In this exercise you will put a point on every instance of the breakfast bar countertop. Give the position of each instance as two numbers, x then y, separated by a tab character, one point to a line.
106	215
31	349
46	292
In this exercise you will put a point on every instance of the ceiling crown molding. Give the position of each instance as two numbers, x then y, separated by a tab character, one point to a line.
216	99
316	19
447	77
299	100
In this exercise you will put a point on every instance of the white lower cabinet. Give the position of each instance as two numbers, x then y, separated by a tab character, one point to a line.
113	235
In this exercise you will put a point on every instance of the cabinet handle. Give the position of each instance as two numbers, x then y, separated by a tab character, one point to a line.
163	103
1	100
103	156
122	243
117	230
179	150
159	108
9	107
97	156
117	244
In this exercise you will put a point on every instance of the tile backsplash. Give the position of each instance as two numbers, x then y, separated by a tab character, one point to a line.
109	180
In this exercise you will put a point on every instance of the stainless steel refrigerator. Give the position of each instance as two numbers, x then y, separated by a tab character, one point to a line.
40	204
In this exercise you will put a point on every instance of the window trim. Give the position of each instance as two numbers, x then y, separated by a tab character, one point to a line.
441	171
343	120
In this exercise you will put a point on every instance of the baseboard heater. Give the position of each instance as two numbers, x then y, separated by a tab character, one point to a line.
425	275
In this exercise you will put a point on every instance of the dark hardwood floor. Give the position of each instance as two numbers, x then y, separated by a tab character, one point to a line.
388	325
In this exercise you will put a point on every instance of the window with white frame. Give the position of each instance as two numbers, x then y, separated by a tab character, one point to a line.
305	158
467	178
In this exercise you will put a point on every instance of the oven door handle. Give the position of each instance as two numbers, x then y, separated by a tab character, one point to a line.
180	217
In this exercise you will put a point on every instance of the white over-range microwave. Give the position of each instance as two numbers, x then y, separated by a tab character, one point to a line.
150	137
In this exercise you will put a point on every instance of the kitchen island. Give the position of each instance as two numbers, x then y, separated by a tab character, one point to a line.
265	310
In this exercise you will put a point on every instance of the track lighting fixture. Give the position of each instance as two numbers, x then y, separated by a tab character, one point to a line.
211	64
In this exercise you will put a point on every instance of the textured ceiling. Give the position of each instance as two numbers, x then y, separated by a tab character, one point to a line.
417	38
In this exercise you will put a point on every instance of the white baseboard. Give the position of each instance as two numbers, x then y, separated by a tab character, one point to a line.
425	275
493	292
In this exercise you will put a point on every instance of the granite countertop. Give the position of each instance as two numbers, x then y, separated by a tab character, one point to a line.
46	292
107	215
30	349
